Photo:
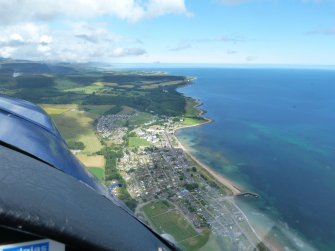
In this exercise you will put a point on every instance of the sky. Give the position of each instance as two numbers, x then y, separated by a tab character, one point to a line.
283	32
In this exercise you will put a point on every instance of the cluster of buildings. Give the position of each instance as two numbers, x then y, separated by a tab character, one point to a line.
108	124
164	172
150	134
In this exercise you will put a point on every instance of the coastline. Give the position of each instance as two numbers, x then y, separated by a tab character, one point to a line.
235	190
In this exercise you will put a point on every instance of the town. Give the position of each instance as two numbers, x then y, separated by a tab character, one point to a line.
158	170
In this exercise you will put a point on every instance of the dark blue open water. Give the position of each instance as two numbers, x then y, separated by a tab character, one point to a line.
274	134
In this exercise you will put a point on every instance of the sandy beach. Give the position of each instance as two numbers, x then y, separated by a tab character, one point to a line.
235	190
220	178
272	244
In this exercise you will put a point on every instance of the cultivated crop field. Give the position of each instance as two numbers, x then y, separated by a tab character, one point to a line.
78	126
92	160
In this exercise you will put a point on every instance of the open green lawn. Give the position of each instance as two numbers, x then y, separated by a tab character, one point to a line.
98	172
137	141
202	240
155	208
214	243
168	220
175	224
192	121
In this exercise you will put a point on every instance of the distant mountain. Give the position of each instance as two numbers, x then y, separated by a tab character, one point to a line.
25	66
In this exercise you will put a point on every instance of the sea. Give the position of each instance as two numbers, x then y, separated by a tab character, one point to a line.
273	133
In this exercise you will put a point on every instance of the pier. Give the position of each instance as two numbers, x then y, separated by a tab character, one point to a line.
248	194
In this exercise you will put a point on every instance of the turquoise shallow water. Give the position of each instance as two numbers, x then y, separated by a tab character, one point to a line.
274	134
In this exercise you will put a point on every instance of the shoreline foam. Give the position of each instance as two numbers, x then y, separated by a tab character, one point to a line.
270	241
230	185
236	190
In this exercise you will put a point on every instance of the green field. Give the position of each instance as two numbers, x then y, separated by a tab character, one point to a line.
62	84
92	160
97	109
86	90
57	109
74	84
155	208
175	224
75	96
214	243
166	219
192	121
157	85
140	119
98	172
106	84
137	141
75	125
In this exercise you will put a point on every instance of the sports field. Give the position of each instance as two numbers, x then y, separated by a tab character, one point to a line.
136	141
166	219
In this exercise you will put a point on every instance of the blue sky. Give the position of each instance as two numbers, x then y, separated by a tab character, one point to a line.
170	31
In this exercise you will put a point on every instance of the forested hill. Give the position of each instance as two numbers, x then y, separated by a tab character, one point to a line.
37	82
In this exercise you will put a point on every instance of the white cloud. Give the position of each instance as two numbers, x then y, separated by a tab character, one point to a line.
6	52
45	39
40	42
51	30
23	34
43	48
122	52
15	37
162	7
26	31
15	11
